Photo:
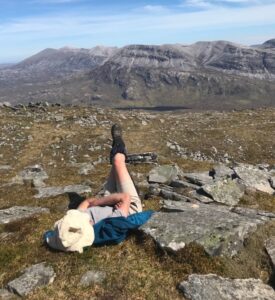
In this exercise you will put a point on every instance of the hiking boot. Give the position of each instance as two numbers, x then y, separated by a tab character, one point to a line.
118	145
116	131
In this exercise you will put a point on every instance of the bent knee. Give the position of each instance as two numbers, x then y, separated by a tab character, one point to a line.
126	197
118	159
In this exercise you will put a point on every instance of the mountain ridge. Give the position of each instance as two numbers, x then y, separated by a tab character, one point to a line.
218	73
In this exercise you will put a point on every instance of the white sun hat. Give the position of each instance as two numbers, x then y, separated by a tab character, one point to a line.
73	232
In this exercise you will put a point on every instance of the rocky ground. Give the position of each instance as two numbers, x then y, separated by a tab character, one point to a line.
212	186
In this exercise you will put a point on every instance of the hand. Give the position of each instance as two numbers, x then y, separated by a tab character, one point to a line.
92	202
118	205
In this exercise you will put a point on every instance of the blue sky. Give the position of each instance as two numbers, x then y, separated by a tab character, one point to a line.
29	26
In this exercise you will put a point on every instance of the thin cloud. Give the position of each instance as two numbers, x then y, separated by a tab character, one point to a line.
220	3
54	1
80	23
86	28
155	8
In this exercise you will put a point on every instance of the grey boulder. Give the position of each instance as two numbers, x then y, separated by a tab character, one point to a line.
45	192
163	174
254	177
225	191
216	228
213	287
16	213
33	277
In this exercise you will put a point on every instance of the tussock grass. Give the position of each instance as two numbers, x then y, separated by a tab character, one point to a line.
137	268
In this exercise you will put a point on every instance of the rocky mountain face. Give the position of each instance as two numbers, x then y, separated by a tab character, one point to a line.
205	74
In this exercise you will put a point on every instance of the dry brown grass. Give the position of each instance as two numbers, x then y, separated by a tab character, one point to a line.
137	268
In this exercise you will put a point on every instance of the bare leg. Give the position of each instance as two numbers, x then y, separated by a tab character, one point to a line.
110	186
124	182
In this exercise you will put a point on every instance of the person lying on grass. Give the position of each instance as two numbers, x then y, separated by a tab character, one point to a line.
76	229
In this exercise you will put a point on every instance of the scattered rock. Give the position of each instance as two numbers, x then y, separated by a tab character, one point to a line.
147	157
5	167
16	213
33	277
59	118
45	192
86	168
226	191
35	174
92	276
218	230
211	286
270	248
163	174
255	178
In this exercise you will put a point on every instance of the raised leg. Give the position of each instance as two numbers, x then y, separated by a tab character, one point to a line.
124	182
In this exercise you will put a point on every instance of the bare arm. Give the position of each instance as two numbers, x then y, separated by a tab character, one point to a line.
119	200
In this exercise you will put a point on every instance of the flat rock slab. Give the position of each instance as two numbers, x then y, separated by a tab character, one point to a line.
221	171
91	277
225	191
213	287
163	174
45	192
200	179
216	228
33	277
16	213
255	178
270	248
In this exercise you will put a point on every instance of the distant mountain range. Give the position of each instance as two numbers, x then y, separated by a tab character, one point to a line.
215	75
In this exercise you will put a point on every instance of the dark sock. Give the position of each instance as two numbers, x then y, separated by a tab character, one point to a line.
118	146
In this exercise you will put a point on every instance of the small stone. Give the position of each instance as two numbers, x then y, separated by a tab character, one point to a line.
91	277
5	167
86	168
144	123
33	277
59	118
211	286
